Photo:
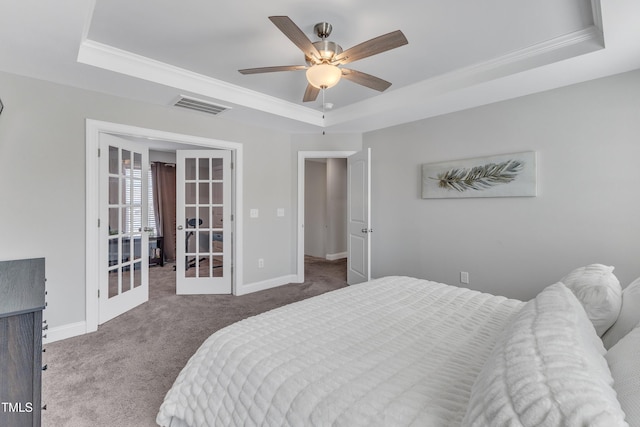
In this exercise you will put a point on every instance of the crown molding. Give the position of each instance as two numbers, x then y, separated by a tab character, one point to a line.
554	50
120	61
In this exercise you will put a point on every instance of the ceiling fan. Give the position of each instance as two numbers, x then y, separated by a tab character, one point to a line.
325	58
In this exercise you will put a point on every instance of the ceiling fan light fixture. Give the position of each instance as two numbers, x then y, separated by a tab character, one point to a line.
323	76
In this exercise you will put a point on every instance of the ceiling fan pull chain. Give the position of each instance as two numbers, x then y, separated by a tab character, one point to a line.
323	89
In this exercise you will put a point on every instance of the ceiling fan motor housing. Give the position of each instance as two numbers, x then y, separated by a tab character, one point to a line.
328	50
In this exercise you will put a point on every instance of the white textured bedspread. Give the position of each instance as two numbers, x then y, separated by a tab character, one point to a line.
395	351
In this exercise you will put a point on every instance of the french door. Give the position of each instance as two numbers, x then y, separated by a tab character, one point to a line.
359	217
124	239
203	222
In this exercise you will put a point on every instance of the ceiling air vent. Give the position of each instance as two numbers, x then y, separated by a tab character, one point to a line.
200	105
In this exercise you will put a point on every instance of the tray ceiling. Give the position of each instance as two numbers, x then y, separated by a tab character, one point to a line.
460	54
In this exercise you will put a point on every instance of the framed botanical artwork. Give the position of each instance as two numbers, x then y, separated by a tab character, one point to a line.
505	175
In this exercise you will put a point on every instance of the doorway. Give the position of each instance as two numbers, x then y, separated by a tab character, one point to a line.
325	222
324	236
94	131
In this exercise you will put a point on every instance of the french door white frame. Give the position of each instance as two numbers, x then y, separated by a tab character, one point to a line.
302	157
92	209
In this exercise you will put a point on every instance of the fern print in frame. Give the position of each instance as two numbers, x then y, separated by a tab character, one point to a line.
508	175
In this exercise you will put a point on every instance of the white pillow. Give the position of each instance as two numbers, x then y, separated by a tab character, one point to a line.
599	292
547	369
629	315
624	362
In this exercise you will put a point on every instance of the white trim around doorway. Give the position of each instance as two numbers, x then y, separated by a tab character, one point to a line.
92	212
302	157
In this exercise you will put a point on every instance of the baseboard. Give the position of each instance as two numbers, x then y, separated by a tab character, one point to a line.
65	331
248	288
333	257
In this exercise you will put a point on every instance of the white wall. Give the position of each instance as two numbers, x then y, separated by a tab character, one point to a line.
42	174
587	138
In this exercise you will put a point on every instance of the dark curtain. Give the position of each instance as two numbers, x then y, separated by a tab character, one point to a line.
164	196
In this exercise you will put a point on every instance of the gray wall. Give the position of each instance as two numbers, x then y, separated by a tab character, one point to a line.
586	137
587	210
42	175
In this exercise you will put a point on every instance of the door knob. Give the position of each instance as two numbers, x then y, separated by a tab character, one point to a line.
180	227
148	229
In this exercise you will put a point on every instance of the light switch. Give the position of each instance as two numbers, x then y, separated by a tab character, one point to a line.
280	212
253	213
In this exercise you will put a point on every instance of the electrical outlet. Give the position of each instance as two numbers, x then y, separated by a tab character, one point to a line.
253	213
464	277
260	262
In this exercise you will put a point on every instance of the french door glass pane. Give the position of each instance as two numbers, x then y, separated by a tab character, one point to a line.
190	193
137	240
113	160
203	242
190	215
137	274
204	193
216	169
113	190
126	249
204	169
217	217
218	270
217	241
190	169
113	251
217	193
191	266
114	279
126	162
114	226
126	278
204	216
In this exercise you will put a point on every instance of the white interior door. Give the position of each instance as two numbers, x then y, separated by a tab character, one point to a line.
359	217
124	239
203	222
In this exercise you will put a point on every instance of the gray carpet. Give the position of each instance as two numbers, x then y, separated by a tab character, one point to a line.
118	376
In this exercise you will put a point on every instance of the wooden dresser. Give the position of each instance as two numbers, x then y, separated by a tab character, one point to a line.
22	299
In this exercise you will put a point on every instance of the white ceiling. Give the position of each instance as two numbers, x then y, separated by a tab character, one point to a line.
460	53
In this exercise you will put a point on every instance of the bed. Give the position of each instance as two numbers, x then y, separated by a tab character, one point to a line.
401	351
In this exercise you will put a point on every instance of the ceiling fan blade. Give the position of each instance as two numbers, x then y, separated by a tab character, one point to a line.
372	47
295	34
272	69
365	79
310	94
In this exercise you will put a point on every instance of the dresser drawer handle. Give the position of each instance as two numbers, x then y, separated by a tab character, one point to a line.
44	368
